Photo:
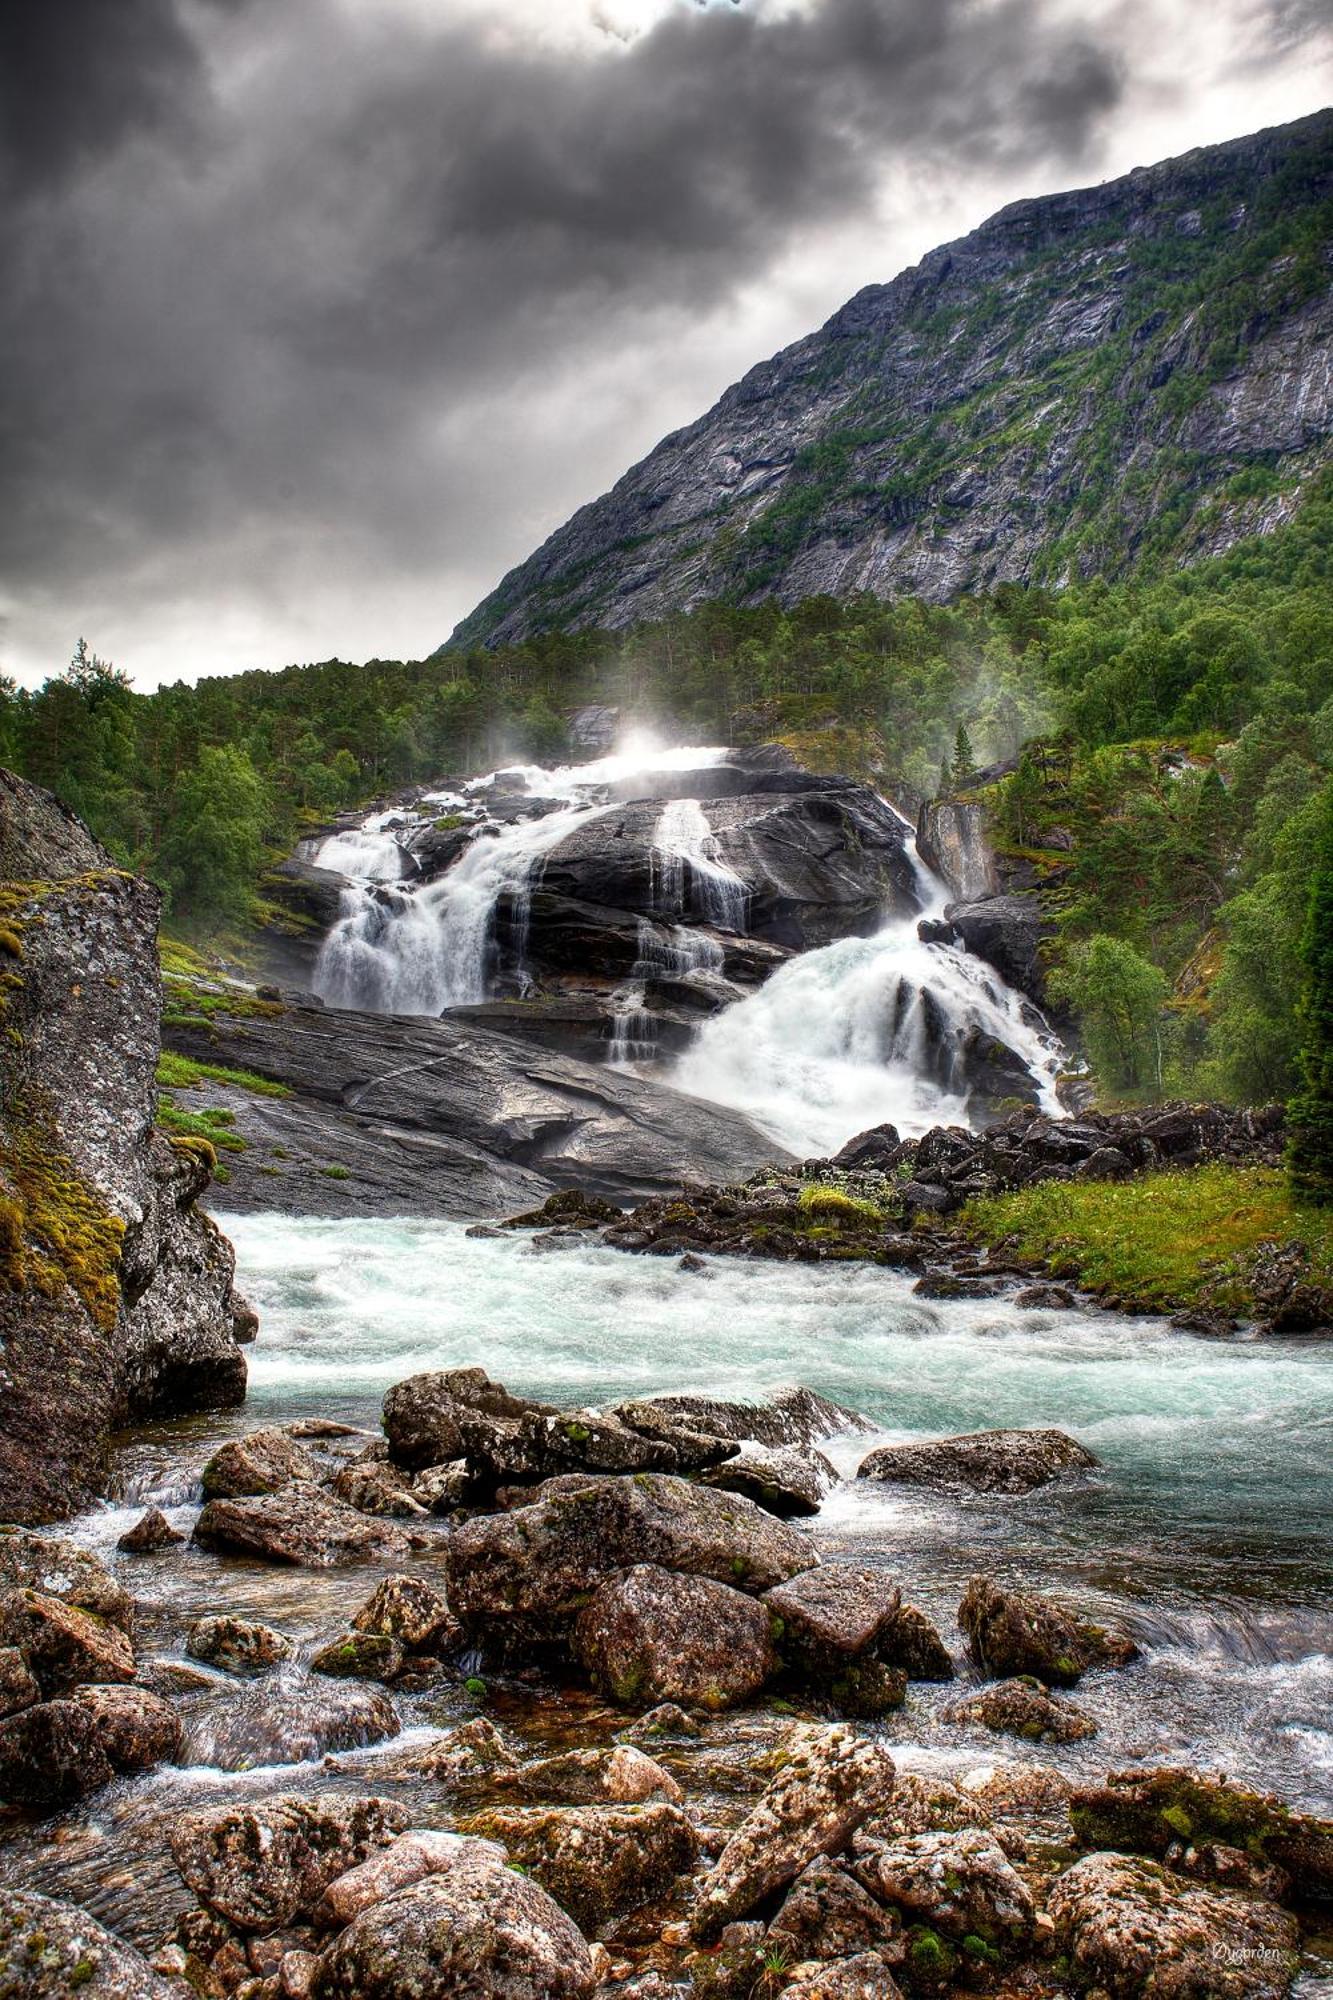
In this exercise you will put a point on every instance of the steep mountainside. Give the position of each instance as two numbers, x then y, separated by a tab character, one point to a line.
116	1293
1124	373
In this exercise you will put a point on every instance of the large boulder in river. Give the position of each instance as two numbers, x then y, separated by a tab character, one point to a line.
1019	1632
61	1645
289	1721
790	1416
136	1729
259	1463
518	1579
298	1524
598	1861
60	1568
787	1481
423	1416
845	1629
236	1645
1129	1928
1021	1707
648	1636
51	1753
1153	1812
267	1864
959	1884
116	1295
51	1951
980	1461
827	1788
476	1929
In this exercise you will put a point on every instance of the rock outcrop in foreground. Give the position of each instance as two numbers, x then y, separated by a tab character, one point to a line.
116	1296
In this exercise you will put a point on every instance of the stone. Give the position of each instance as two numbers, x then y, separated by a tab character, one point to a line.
61	1645
959	1884
421	1416
409	1858
298	1524
620	1776
732	1969
598	1862
1013	1632
285	1720
865	1977
50	1754
791	1416
668	1719
477	1929
518	1579
264	1865
51	1950
980	1462
150	1533
236	1645
18	1689
1129	1927
844	1629
826	1915
1023	1708
1045	1298
135	1728
649	1635
475	1750
377	1488
412	1611
920	1804
1148	1812
828	1787
259	1463
362	1656
60	1568
441	1488
784	1480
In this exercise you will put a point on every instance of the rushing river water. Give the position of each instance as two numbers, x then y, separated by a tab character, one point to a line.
1205	1530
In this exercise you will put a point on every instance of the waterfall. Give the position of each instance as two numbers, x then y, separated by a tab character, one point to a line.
367	853
867	1031
676	952
688	877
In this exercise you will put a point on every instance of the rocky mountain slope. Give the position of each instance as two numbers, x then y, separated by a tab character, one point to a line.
1095	379
116	1296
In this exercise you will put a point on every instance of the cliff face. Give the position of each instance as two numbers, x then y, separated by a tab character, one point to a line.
116	1294
1130	372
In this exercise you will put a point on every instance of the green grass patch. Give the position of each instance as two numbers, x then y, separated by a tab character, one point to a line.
177	1072
215	1126
824	1203
1163	1240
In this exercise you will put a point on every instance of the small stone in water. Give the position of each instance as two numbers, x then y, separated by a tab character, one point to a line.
151	1532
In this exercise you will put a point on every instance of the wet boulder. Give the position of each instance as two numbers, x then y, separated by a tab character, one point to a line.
980	1461
298	1524
1152	1812
50	1754
412	1611
794	1415
828	1787
827	1915
360	1656
920	1804
598	1862
61	1645
784	1480
620	1776
236	1645
150	1533
374	1486
1007	931
478	1928
18	1689
260	1463
264	1865
1023	1708
1013	1632
60	1568
961	1885
1129	1927
282	1721
408	1859
51	1950
649	1635
475	1752
844	1629
135	1728
422	1415
518	1579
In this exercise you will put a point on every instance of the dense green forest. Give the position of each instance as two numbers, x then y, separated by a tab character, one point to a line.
1173	738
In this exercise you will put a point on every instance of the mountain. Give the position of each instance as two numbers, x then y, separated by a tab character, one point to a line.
1092	381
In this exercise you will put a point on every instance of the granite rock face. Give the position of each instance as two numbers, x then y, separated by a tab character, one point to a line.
116	1298
1062	364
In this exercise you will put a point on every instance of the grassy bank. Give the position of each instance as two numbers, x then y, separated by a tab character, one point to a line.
1162	1241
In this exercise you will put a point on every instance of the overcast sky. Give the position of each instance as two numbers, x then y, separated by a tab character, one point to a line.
318	315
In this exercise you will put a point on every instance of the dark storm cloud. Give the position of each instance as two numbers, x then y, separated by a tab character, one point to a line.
282	267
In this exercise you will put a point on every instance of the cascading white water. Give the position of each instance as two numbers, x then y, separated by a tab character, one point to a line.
867	1031
688	878
676	952
367	853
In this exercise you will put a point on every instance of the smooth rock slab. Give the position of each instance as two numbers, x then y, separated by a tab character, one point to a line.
281	1722
52	1951
960	1884
520	1578
264	1865
477	1932
298	1524
1130	1928
826	1790
981	1462
649	1636
62	1645
598	1862
1014	1632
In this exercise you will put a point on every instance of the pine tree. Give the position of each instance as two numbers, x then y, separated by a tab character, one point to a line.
964	762
1310	1150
